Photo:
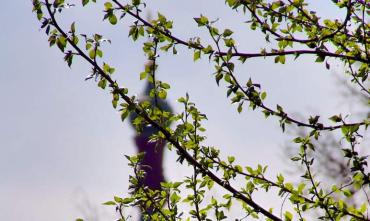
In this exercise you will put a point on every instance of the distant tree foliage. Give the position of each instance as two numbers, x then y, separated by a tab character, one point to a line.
291	29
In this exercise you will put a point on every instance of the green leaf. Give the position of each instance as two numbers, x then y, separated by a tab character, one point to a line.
279	108
336	118
165	85
202	20
176	184
62	43
227	33
58	3
263	95
92	54
280	59
88	46
99	53
301	187
75	40
108	5
196	55
162	94
102	83
280	178
136	2
219	76
73	28
231	159
229	42
298	140
115	100
109	203
127	200
112	19
249	83
118	199
210	184
124	114
174	51
175	198
288	216
347	192
143	75
181	100
207	50
84	2
320	59
68	58
240	107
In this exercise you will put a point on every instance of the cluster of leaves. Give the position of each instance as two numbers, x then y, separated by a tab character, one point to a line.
283	23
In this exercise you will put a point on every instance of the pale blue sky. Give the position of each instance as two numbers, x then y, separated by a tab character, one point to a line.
61	141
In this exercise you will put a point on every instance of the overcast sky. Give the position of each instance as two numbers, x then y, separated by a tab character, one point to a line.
61	142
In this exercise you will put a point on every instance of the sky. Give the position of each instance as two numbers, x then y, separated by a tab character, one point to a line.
63	145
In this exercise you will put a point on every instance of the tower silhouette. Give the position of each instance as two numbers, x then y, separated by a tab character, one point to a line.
153	158
152	162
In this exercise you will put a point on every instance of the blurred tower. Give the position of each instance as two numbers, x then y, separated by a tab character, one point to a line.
153	158
152	162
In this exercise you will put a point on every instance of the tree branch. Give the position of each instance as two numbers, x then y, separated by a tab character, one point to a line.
166	133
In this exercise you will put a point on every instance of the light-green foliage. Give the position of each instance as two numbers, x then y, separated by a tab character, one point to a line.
291	29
